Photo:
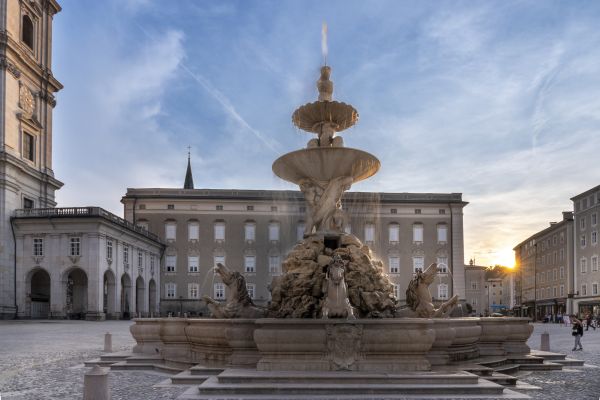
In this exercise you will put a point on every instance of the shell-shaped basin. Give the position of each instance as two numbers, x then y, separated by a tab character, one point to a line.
323	164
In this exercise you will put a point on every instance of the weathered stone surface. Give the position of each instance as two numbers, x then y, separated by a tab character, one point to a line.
299	292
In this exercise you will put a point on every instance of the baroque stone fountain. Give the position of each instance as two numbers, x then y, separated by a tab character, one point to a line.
334	308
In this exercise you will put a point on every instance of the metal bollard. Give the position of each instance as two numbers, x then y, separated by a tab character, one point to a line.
108	343
545	346
95	384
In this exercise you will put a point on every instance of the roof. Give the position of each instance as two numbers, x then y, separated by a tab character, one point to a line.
543	232
586	193
291	195
83	212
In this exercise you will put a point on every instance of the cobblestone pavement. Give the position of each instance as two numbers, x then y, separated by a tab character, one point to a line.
44	360
570	383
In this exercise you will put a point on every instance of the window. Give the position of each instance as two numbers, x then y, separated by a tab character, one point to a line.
300	231
274	231
251	288
348	229
594	237
417	211
562	290
562	272
193	262
249	208
555	292
193	289
418	233
250	231
171	290
594	288
442	233
594	262
140	259
562	238
442	291
594	219
394	233
125	255
554	240
250	264
394	262
109	249
219	208
561	254
219	231
441	211
143	225
582	223
170	206
142	206
27	31
273	208
274	265
38	247
584	289
75	249
582	240
170	263
394	211
583	264
170	230
302	209
369	233
442	265
418	263
27	203
219	260
193	231
219	291
474	302
29	147
474	285
396	290
152	264
554	274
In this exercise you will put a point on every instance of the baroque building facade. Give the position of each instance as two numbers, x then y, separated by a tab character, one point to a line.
586	256
27	89
252	231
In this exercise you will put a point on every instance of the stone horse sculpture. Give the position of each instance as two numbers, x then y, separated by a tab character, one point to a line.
419	300
238	304
324	205
336	304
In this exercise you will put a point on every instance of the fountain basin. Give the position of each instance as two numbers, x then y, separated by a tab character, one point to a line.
494	332
176	347
322	164
444	336
383	345
310	116
146	332
467	334
519	330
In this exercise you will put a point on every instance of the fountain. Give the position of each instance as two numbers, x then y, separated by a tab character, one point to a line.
333	309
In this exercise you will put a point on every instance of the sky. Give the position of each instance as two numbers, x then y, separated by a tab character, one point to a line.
497	100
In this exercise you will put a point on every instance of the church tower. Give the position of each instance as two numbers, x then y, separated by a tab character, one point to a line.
27	89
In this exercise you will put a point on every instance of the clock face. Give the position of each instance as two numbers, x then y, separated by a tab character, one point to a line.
27	101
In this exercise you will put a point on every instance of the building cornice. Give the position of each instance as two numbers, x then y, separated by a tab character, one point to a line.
44	177
586	193
287	195
544	232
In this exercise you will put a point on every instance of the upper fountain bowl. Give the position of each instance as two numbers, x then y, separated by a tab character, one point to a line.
322	164
311	116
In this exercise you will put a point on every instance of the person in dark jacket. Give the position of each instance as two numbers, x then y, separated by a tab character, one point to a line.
589	322
577	332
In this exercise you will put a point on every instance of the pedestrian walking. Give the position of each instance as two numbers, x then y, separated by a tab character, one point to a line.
577	332
566	320
588	322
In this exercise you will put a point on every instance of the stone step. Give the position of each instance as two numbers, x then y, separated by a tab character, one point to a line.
508	369
526	359
123	365
212	387
136	359
99	362
548	355
186	378
502	379
115	357
493	362
239	376
570	362
202	370
547	366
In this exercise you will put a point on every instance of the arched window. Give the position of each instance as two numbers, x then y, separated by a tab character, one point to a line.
27	31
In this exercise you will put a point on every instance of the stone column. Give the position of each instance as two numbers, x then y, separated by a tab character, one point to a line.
458	257
95	384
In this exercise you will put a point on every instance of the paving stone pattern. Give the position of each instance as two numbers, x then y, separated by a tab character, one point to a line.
44	360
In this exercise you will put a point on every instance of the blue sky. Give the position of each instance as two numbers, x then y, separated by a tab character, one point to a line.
499	100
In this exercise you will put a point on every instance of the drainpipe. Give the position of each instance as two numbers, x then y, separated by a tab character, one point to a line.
12	228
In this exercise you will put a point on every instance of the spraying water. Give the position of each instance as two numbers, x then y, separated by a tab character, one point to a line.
324	42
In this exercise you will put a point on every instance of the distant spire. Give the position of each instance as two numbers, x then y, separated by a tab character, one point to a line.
189	180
